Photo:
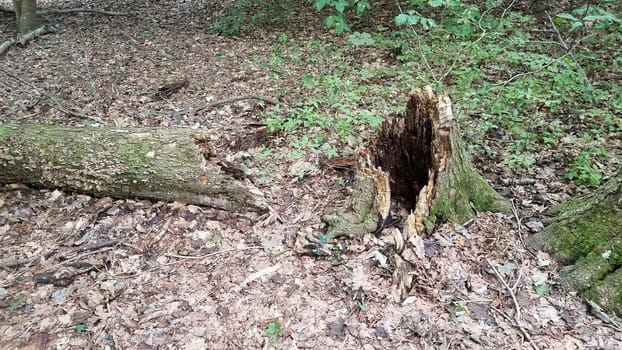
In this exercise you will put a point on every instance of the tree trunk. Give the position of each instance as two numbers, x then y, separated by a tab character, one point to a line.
417	163
585	235
26	15
153	163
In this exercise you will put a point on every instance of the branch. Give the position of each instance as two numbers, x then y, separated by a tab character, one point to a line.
235	99
82	10
22	40
517	314
570	50
44	93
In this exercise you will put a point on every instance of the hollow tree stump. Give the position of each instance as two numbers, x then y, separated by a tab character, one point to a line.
418	163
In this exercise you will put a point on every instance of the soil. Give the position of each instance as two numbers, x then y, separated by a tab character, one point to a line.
78	272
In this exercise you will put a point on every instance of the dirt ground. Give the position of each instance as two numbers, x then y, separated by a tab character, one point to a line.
144	275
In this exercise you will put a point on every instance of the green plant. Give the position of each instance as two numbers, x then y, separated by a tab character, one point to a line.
251	12
357	39
584	170
82	328
362	306
273	330
19	300
588	16
339	7
216	239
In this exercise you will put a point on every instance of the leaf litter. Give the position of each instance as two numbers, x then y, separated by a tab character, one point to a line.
80	272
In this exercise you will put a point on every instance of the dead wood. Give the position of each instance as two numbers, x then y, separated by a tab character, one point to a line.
153	163
169	89
82	10
23	39
235	99
415	164
72	10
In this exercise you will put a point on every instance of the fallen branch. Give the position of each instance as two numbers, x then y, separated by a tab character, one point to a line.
22	40
19	262
235	99
72	10
517	314
44	93
82	10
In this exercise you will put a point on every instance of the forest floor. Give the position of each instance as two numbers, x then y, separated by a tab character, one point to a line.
177	276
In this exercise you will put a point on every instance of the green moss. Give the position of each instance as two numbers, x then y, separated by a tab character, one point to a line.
455	203
579	234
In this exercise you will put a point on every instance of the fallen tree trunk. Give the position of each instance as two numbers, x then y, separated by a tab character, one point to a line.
417	163
154	163
585	235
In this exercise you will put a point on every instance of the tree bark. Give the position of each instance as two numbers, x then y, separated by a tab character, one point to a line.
153	163
585	235
26	15
418	163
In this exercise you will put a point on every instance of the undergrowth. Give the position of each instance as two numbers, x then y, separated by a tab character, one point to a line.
526	87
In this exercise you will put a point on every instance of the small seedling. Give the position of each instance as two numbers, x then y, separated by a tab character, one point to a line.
82	328
273	330
363	307
216	239
19	301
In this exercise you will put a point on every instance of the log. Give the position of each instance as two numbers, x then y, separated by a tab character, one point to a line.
585	236
153	163
416	162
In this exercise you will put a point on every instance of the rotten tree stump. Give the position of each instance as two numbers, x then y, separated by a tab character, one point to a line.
417	163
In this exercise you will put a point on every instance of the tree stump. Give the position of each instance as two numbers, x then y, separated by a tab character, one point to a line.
585	235
416	162
153	163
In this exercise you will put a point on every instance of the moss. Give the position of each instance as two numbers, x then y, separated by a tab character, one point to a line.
608	293
455	203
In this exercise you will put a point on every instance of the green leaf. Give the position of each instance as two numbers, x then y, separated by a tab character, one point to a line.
362	7
363	307
541	289
340	5
568	17
274	329
320	4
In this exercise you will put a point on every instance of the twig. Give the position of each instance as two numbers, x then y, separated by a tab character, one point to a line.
481	37
423	56
24	261
514	77
77	10
586	80
163	230
44	93
597	311
517	315
235	99
197	257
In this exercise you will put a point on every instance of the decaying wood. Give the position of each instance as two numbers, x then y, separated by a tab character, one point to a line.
169	89
23	39
154	163
82	10
236	99
418	163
